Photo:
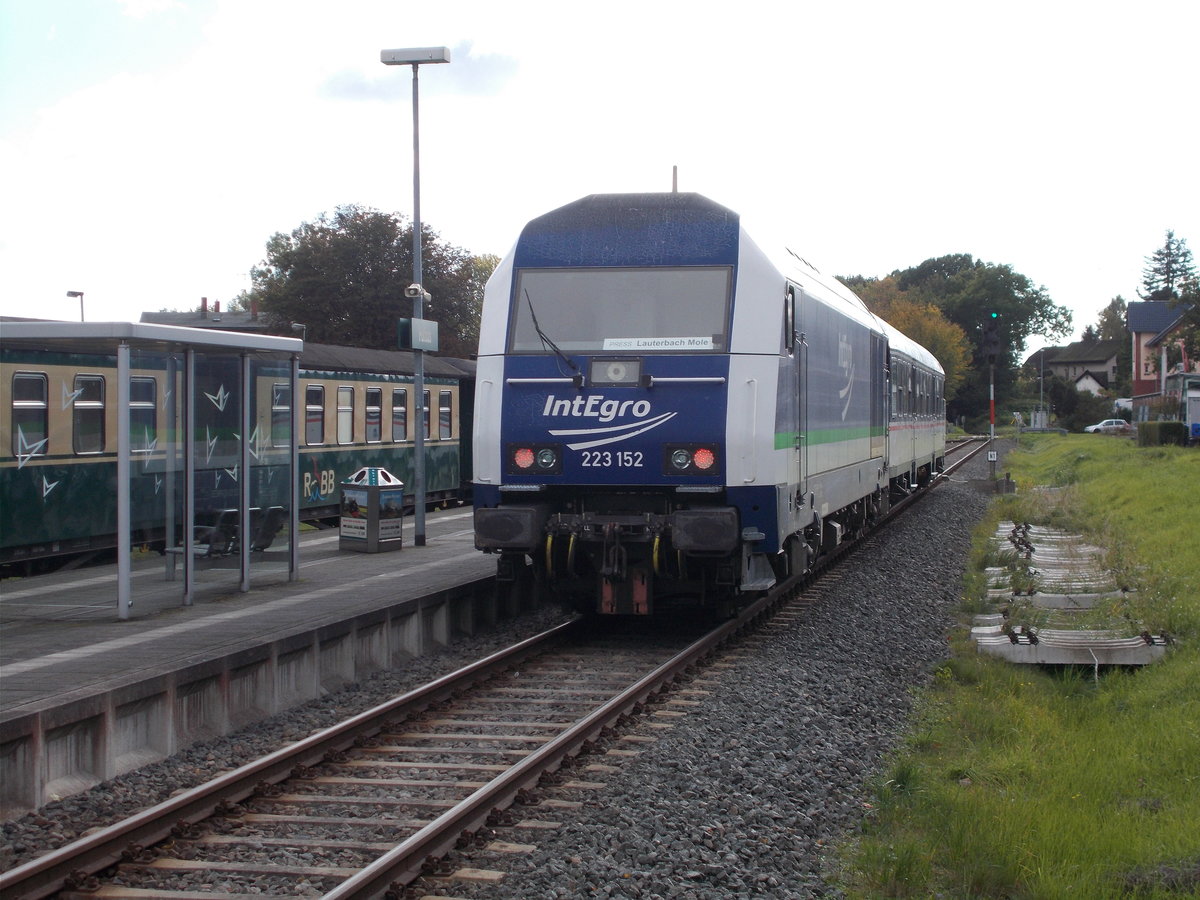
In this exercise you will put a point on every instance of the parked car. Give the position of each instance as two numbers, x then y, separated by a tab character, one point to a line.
1110	426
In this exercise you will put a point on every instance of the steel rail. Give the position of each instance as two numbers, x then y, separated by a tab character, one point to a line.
404	863
48	873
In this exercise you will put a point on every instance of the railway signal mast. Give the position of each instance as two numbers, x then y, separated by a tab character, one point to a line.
991	347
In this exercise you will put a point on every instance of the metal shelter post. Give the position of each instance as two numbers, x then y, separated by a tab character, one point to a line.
294	453
171	450
124	540
244	477
189	475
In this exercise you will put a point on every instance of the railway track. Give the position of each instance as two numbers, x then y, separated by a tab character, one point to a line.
366	807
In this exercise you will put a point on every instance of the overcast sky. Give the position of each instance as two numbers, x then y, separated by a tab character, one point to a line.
149	148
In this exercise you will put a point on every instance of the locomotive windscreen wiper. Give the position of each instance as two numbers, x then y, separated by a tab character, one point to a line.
546	342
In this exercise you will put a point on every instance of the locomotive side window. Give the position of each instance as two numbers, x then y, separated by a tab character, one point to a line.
425	414
281	414
345	415
789	322
87	417
314	414
374	415
399	415
143	414
30	414
445	415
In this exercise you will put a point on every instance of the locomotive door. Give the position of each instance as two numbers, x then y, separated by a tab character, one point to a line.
797	352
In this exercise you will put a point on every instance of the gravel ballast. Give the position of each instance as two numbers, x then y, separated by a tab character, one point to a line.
746	794
743	797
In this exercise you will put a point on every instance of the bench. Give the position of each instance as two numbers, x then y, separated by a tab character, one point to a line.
218	546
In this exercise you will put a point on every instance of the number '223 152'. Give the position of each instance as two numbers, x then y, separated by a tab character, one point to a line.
624	459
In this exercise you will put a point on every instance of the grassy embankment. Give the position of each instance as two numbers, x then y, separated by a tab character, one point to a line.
1023	782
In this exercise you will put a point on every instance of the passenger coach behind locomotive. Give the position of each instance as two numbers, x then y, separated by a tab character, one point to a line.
664	412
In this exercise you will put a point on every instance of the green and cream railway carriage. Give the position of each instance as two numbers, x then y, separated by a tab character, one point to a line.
59	421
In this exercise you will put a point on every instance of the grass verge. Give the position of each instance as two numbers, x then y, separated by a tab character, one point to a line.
1028	782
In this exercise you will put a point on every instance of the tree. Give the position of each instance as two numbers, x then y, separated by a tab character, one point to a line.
1170	275
1075	409
1189	328
344	277
968	292
1168	269
1111	326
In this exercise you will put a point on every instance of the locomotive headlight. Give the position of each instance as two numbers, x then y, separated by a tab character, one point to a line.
534	459
615	371
690	459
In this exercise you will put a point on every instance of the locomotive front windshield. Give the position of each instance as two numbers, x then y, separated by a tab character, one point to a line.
643	310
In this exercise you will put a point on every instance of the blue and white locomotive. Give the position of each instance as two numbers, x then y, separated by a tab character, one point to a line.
665	412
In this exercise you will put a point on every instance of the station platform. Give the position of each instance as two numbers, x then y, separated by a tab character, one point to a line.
73	673
60	634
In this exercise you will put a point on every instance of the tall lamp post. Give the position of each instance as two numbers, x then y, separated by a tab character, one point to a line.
78	294
416	57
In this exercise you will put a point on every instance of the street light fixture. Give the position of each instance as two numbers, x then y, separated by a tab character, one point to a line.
78	294
416	57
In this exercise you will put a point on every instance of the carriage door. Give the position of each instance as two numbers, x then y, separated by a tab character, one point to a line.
914	408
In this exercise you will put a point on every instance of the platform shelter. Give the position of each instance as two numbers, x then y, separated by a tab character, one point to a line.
203	453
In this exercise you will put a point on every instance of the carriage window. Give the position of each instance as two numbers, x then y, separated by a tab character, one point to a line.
87	417
399	415
374	415
281	414
345	415
30	415
445	415
143	414
425	413
314	414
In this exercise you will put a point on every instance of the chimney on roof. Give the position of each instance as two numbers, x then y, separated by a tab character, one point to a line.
216	307
204	307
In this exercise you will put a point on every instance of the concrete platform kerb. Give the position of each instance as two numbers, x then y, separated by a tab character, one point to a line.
85	696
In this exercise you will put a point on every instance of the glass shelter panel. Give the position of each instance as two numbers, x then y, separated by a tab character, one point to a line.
155	435
217	453
270	466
